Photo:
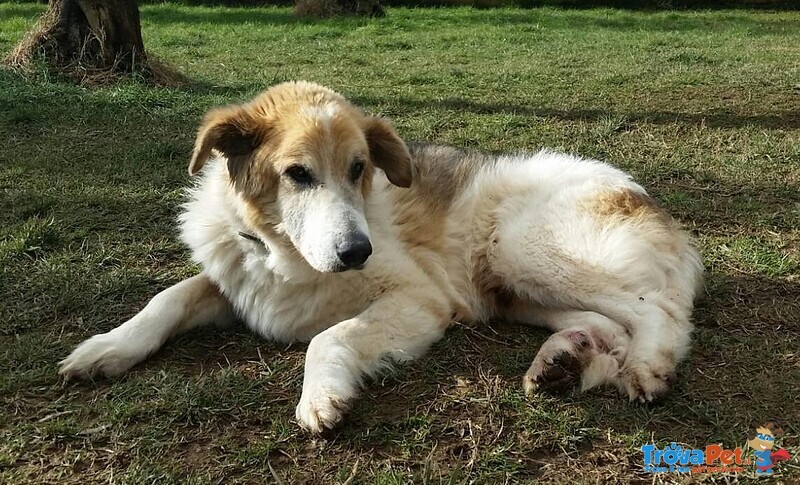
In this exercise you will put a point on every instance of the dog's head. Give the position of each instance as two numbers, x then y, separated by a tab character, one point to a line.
301	157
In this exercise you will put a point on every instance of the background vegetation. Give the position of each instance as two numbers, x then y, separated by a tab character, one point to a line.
702	107
578	4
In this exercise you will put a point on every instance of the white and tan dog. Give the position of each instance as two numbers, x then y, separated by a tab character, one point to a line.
300	237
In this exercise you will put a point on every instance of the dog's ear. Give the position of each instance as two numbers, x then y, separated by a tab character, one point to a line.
235	133
388	152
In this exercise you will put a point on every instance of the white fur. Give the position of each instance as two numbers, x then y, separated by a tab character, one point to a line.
328	218
576	275
323	113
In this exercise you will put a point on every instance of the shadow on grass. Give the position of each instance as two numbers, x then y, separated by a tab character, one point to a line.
621	21
744	339
788	119
609	20
170	15
466	392
650	20
165	15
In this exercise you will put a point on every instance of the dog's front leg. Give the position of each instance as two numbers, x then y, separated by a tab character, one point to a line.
192	302
397	327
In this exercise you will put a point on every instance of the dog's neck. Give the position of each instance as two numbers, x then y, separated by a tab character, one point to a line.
279	256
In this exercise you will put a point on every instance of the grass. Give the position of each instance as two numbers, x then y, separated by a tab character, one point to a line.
702	107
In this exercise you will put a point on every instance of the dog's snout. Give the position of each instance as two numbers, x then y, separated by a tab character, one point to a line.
354	251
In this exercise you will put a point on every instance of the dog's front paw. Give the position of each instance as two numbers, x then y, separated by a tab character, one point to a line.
106	354
321	410
331	381
645	381
326	398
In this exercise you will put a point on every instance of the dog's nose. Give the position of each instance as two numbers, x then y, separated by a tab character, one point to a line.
354	251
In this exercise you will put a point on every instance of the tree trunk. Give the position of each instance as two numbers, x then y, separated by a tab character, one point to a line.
86	37
111	31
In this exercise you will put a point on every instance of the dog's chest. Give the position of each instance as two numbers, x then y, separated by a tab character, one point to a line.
287	309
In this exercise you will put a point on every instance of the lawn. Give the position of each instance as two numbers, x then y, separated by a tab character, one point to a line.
702	107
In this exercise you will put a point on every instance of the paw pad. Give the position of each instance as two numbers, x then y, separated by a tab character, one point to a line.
558	375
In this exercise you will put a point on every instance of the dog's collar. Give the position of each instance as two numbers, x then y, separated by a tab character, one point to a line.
252	238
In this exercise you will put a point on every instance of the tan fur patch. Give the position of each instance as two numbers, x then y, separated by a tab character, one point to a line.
630	207
628	204
439	174
421	211
623	202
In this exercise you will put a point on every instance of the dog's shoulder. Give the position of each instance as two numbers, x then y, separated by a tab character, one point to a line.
441	173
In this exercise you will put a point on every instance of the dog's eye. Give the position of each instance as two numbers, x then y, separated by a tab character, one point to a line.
300	175
356	170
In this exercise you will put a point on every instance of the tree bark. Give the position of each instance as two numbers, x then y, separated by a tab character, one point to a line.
102	35
115	32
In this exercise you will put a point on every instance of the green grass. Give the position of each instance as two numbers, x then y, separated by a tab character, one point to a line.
702	107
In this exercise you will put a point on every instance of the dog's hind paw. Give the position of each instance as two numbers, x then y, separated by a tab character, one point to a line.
560	362
557	374
643	382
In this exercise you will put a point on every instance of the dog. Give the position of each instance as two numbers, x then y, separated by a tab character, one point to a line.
313	221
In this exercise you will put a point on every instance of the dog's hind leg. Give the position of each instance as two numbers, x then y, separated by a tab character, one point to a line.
661	335
656	319
586	347
191	303
569	261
